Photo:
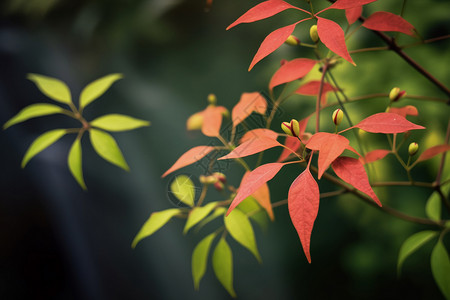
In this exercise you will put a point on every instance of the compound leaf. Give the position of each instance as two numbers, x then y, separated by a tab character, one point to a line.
33	111
52	88
117	122
74	161
222	261
105	146
41	142
97	88
200	259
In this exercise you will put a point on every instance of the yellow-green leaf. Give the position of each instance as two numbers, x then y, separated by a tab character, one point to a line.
219	211
434	205
155	222
74	160
116	122
105	146
411	244
97	88
197	214
257	213
241	230
52	88
222	261
184	189
440	267
41	142
200	259
33	111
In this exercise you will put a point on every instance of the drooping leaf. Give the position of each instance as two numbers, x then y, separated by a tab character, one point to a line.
197	214
386	21
329	145
404	111
332	35
263	10
184	189
345	4
249	102
253	181
352	171
375	155
241	230
105	146
250	147
386	123
97	88
191	156
218	211
222	261
292	70
155	222
200	259
412	244
259	132
33	111
116	122
440	267
74	161
253	210
312	88
41	142
433	151
262	196
303	205
292	143
53	88
352	14
212	120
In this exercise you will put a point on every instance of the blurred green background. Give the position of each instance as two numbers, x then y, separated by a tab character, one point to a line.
58	242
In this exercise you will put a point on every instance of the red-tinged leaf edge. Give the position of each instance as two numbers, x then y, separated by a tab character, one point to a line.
386	21
352	171
433	151
346	4
332	36
191	156
303	205
251	147
262	11
352	14
262	196
258	133
292	70
374	155
386	123
248	103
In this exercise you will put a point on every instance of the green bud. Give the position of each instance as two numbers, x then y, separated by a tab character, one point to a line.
195	122
313	34
207	179
395	94
292	41
292	128
220	176
212	99
337	116
412	149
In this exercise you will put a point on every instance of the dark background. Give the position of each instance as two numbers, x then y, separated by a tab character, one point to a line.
59	242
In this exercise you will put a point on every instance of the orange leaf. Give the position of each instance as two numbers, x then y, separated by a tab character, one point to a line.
212	120
257	133
386	123
311	88
374	155
292	143
262	195
303	205
386	21
433	151
352	171
404	111
251	146
249	102
292	70
332	35
191	156
346	4
352	14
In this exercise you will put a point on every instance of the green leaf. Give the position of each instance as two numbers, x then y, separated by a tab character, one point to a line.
411	244
155	222
184	189
219	211
241	230
105	146
257	214
440	267
33	111
52	88
97	88
200	259
222	261
116	122
434	204
74	161
197	214
41	142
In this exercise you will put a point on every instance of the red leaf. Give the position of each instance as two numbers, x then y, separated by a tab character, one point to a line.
262	195
433	151
212	120
191	156
374	155
329	145
257	133
311	88
262	11
251	147
249	102
345	4
332	35
352	14
386	123
350	148
292	143
272	42
292	70
352	171
407	110
253	181
386	21
303	205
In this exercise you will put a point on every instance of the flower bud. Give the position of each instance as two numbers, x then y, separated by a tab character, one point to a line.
212	99
207	179
337	116
195	122
292	41
292	128
219	186
220	176
412	149
395	94
313	34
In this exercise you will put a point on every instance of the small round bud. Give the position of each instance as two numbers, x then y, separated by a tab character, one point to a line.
220	176
202	179
212	99
313	34
207	179
195	122
395	94
286	128
412	149
337	116
283	61
292	41
219	186
292	128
